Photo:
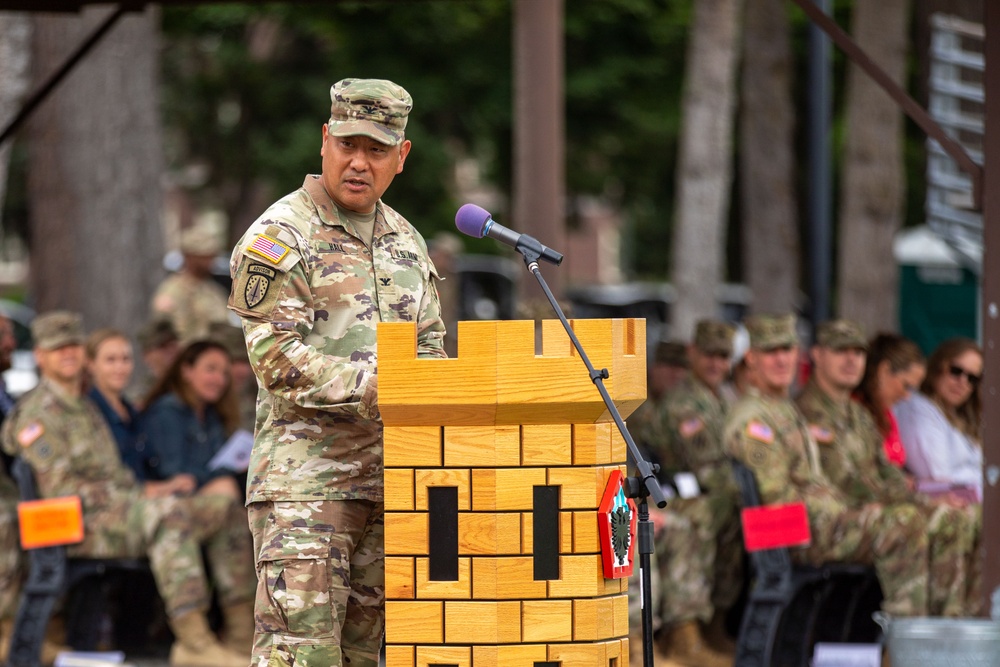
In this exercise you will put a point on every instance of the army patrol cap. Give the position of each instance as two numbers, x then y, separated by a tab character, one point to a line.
768	332
671	353
200	240
841	335
714	337
156	333
373	108
57	329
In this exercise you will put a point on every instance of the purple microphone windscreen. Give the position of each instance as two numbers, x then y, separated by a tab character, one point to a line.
471	219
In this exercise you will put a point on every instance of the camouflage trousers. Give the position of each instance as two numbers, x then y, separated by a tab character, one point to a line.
686	554
955	587
171	531
10	559
320	583
892	538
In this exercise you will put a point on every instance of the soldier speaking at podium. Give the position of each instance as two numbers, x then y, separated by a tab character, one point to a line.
312	278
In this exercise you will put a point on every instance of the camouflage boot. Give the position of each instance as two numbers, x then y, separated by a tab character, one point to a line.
239	627
196	646
685	646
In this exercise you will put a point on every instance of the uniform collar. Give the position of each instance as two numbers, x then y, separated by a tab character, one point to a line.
66	399
331	216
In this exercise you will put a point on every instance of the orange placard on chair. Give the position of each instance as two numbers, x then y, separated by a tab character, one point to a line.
50	522
773	526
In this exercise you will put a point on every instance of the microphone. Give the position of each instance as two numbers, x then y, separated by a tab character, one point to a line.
476	222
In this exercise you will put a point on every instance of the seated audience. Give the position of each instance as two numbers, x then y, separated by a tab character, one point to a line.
894	370
940	425
160	346
190	415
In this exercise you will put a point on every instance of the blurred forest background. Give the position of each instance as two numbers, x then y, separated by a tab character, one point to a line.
218	108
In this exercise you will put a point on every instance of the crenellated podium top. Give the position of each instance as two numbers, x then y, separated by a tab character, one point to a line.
497	378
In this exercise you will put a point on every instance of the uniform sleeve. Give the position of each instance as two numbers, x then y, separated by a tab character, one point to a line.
752	441
275	329
430	326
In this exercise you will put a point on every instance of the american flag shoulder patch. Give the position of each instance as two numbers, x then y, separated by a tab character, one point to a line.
823	436
760	431
690	427
270	249
27	435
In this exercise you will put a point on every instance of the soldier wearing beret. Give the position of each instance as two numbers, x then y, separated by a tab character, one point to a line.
65	440
191	299
312	277
852	457
768	434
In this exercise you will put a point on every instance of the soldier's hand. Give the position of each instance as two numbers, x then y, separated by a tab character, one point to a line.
369	401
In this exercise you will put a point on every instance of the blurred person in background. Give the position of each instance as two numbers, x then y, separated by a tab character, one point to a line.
160	346
241	372
894	370
190	414
940	425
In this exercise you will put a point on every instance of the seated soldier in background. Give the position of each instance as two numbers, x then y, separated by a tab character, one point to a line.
768	434
64	439
693	418
852	457
160	345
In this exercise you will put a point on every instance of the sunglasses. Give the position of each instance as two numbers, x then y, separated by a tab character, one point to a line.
958	371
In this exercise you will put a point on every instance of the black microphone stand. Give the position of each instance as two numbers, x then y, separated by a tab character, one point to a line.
642	485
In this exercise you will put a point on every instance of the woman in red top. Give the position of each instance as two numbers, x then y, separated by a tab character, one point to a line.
895	369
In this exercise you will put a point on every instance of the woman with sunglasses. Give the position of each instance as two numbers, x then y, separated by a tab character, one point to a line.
940	425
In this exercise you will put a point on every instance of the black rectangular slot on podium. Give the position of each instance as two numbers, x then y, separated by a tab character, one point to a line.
547	664
545	532
442	505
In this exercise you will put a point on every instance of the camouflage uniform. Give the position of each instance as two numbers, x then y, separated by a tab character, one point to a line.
770	436
68	445
851	454
311	293
191	304
10	548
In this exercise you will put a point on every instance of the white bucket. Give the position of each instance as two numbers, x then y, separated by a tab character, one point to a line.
941	642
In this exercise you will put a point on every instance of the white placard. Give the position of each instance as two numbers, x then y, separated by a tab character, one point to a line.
235	454
847	655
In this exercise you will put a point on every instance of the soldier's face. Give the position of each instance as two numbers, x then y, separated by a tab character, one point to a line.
840	370
63	364
208	376
710	368
773	370
357	170
112	365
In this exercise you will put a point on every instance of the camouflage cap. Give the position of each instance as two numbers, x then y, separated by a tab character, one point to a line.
156	333
712	336
768	332
229	337
671	353
200	240
841	335
373	108
56	329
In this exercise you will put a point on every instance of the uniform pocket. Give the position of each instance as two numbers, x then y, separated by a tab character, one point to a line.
293	589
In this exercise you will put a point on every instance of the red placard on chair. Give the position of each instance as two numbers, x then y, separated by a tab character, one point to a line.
775	526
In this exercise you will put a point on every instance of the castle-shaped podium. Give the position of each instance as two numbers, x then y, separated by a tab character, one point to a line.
496	463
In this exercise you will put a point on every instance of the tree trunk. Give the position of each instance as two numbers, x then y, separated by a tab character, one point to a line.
15	59
95	162
769	223
704	174
872	194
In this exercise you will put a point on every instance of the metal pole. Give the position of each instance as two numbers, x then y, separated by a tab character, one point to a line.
820	179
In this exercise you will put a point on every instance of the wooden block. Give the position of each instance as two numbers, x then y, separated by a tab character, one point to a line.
586	539
546	444
623	585
505	578
399	655
620	615
441	477
482	446
505	489
489	533
464	388
593	619
443	590
573	655
399	582
628	379
580	577
482	622
460	656
624	652
613	653
619	448
414	622
406	534
582	487
398	489
510	655
410	446
592	444
546	620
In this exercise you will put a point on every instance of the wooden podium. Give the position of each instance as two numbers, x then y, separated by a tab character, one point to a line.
496	463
